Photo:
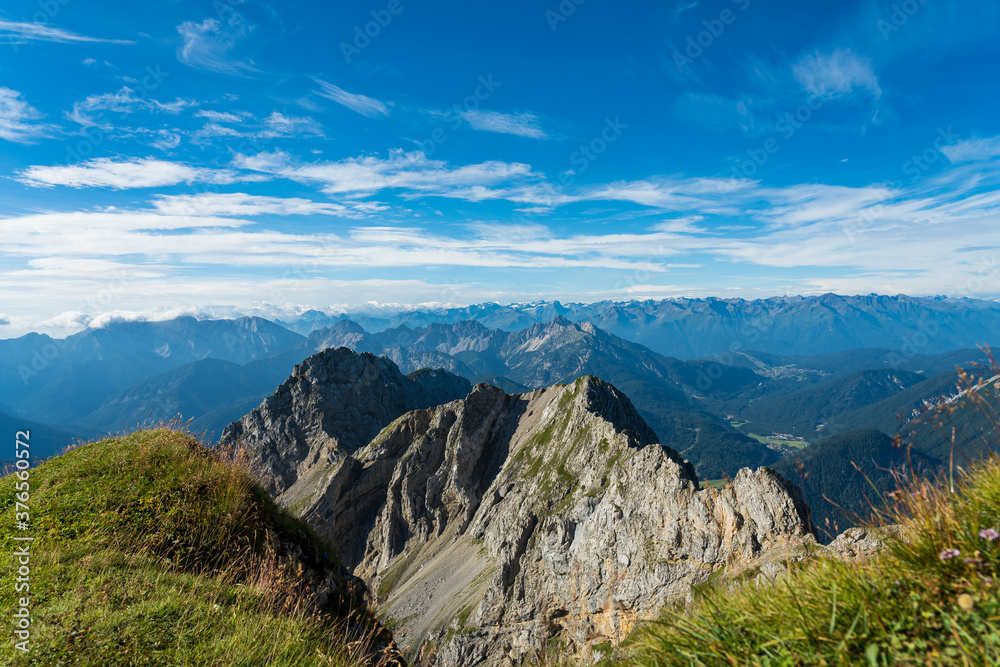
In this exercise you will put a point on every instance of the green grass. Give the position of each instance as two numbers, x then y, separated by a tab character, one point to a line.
150	551
906	607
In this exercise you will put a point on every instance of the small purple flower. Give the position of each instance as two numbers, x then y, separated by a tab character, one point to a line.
989	534
974	561
949	553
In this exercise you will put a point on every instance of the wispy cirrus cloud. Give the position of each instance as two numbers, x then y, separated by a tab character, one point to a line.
127	174
124	101
282	125
277	125
811	231
837	73
224	116
17	119
362	104
972	150
20	32
366	175
520	124
242	204
208	45
834	236
195	240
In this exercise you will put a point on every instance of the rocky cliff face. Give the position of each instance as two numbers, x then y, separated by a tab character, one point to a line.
333	403
495	524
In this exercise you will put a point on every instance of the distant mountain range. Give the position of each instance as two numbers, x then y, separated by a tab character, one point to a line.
129	373
701	328
721	413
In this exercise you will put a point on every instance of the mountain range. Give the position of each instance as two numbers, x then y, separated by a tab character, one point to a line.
719	413
701	328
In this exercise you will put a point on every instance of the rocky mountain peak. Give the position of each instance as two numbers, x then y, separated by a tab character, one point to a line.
333	403
561	321
603	400
492	524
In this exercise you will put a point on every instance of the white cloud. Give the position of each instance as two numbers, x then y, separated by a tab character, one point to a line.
973	149
275	126
240	204
188	232
16	116
362	104
167	141
19	32
280	125
400	170
836	238
684	225
520	124
26	230
213	130
207	45
707	195
124	174
838	73
101	269
124	101
223	116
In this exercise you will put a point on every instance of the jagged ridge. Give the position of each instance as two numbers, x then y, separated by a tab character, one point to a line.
492	523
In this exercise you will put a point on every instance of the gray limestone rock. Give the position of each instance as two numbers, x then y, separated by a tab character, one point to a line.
861	543
492	525
333	403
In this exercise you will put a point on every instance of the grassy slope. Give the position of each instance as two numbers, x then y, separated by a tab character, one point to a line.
907	607
148	551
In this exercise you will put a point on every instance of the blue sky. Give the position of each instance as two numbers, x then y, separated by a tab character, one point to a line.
222	157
